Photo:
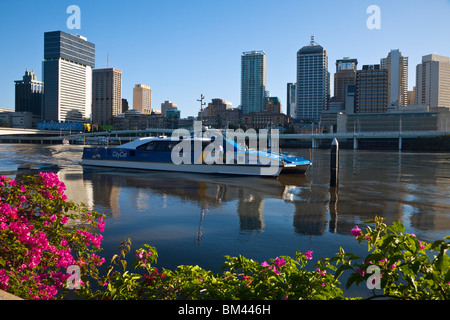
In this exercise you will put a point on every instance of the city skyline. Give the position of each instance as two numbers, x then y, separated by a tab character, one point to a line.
183	50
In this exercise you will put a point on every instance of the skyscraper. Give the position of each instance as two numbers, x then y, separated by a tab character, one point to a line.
29	94
290	100
142	98
345	75
253	81
433	81
397	67
68	63
106	95
312	81
371	89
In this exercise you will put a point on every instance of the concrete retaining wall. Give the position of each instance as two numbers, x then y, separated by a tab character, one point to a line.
8	296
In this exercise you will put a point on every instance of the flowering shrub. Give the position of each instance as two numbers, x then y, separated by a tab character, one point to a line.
279	278
37	245
407	267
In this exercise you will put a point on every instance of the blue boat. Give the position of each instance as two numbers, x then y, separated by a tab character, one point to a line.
195	155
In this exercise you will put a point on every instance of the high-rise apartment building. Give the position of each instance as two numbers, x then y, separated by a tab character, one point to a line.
345	75
312	81
29	94
433	81
371	89
142	98
67	66
291	110
397	66
106	95
253	81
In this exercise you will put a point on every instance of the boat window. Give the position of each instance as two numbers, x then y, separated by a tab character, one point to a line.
148	146
165	145
158	146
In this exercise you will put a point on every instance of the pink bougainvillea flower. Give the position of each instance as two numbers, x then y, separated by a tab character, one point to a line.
422	246
361	272
356	231
308	255
12	182
279	261
322	272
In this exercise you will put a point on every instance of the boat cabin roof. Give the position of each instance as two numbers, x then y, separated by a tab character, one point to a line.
141	141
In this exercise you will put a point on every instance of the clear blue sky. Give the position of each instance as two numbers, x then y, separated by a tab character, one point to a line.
182	49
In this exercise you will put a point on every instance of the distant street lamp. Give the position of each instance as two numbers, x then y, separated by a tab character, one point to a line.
201	108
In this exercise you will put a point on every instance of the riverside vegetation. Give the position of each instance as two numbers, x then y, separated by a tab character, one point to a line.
43	236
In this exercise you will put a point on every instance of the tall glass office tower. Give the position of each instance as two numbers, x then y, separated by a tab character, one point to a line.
312	81
253	81
67	68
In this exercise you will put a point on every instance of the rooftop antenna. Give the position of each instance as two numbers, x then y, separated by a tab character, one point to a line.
313	42
107	59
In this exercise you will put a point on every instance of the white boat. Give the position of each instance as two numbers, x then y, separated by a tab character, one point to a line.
195	155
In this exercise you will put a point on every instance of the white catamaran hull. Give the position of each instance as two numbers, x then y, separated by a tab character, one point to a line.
251	170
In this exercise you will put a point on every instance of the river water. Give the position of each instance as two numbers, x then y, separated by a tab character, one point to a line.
197	219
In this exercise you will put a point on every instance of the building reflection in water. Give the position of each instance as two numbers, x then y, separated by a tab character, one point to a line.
250	210
310	203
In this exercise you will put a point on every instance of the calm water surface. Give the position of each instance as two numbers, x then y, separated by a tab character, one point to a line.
197	219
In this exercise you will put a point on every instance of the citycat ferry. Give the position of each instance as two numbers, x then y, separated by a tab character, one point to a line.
195	155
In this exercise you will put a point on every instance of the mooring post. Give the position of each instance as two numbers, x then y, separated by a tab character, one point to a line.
334	163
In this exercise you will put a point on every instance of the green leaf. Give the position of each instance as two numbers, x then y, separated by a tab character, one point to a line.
447	277
387	241
124	264
354	278
397	226
442	263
